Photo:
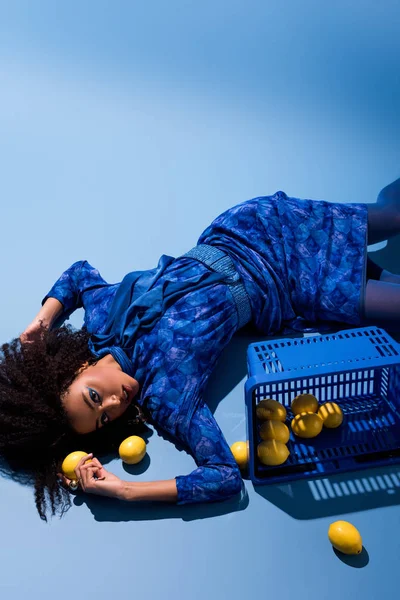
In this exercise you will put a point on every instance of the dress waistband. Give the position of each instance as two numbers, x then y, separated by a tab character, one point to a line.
221	262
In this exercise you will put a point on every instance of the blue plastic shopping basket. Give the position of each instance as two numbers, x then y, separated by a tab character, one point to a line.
359	369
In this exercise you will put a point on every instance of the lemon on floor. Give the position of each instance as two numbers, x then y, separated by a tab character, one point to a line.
274	430
240	451
272	452
307	425
270	409
331	414
132	450
345	537
304	403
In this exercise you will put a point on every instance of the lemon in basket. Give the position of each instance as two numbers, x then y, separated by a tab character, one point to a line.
274	430
304	403
132	450
240	451
331	414
272	452
345	537
307	425
270	410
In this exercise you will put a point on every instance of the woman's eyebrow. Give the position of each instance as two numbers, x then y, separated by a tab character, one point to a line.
90	406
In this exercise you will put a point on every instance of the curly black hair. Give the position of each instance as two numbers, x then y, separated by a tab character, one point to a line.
35	434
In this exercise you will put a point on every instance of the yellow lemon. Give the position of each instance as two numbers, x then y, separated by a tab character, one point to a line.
270	409
345	537
331	414
69	463
272	452
307	425
132	449
240	451
304	403
274	430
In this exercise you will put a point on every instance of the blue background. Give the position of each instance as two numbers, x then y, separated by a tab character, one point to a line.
125	128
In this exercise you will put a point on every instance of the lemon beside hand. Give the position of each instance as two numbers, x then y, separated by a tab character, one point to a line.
132	449
240	451
345	537
69	463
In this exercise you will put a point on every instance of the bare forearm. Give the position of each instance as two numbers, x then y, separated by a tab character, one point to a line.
49	312
163	491
47	315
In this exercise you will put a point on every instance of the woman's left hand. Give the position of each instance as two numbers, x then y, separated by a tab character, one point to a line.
94	479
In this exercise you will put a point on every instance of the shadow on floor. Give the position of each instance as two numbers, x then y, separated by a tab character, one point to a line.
358	561
111	510
339	494
303	500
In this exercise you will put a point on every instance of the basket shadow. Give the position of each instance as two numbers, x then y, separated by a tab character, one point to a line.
351	492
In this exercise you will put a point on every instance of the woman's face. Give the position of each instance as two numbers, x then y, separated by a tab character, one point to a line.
99	394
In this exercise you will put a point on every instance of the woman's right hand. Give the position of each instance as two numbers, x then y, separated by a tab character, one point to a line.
33	332
45	318
94	479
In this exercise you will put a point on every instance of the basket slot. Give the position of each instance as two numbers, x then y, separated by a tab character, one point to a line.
325	350
268	359
377	456
326	388
289	469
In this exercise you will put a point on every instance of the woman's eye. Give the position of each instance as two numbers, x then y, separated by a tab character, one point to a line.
104	419
94	395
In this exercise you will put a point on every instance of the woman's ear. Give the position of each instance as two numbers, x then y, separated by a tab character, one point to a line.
82	368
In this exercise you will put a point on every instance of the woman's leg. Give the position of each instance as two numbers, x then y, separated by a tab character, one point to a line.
384	215
376	272
382	304
382	294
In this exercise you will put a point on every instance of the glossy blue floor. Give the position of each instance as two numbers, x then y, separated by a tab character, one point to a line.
125	129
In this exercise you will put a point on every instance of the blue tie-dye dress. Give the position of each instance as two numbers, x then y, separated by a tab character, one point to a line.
298	259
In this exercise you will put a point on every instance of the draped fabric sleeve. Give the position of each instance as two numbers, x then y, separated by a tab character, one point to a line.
76	284
217	476
190	422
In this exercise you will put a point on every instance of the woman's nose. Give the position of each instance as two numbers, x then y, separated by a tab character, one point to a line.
113	402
